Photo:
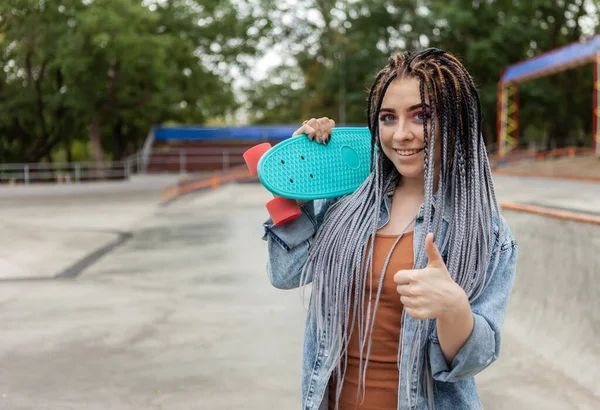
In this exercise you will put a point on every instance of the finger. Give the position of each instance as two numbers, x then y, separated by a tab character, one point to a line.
306	128
433	254
410	276
331	125
309	131
404	290
410	312
408	302
309	128
416	313
322	131
327	128
326	124
299	131
402	277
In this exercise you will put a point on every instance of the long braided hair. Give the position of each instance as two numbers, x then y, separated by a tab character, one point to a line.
340	258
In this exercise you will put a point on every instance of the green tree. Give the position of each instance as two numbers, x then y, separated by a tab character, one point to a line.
106	71
338	46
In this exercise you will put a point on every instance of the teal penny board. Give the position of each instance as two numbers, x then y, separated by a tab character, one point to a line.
302	169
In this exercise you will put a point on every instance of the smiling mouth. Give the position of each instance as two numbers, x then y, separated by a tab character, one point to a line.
408	152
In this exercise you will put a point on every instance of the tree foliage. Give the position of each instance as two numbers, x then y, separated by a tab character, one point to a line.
340	45
101	73
87	79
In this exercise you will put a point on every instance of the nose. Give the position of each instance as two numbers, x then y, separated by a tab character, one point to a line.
402	133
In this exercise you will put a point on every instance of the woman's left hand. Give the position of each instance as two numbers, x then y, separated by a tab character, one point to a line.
429	293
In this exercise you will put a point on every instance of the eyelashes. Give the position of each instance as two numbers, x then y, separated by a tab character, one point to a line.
386	118
423	114
418	115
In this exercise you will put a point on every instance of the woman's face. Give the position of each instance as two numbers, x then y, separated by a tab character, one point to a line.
401	127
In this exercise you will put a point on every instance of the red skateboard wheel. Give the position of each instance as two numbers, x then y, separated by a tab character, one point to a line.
283	210
253	155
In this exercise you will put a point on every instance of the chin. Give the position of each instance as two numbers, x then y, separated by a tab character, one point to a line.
410	171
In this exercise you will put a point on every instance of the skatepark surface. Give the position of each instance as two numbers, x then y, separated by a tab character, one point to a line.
111	301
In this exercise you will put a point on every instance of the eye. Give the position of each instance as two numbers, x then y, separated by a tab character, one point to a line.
422	115
386	118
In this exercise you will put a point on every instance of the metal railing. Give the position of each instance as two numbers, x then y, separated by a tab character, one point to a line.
182	161
69	172
188	160
146	151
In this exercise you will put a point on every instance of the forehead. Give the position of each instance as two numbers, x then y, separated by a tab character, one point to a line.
403	92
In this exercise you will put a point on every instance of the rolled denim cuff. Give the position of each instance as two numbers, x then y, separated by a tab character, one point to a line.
476	354
293	233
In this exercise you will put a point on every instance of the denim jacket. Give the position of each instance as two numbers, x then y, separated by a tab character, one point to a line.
454	384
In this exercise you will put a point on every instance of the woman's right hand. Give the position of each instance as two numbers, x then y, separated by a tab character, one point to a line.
316	129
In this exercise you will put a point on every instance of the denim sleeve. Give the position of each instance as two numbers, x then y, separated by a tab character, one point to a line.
482	347
288	244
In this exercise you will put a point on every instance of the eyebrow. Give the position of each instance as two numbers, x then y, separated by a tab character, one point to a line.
412	107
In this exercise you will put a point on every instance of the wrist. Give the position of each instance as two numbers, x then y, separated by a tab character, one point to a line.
458	305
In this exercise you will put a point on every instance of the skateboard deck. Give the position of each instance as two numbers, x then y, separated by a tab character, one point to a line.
302	169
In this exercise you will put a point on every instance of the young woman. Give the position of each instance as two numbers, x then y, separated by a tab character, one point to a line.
411	274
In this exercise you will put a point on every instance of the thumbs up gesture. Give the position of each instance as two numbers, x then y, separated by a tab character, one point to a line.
428	293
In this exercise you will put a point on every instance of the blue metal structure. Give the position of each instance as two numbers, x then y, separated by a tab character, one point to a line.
561	59
251	133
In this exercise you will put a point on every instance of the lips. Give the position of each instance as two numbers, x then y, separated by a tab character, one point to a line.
408	152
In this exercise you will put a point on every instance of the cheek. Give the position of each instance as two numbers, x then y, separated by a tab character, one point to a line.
385	137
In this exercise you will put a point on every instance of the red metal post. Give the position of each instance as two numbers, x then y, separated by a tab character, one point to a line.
499	113
596	111
516	118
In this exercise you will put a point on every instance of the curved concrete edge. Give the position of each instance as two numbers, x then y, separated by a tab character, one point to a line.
79	266
552	213
31	252
549	357
171	193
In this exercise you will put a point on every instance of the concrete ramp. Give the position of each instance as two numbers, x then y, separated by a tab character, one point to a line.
51	230
551	348
31	251
182	315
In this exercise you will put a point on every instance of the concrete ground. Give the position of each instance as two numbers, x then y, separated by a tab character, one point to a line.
110	301
583	165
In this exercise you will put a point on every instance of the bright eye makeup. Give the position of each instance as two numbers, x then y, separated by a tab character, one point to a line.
387	118
422	115
390	117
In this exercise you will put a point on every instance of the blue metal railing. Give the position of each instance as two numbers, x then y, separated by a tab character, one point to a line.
249	133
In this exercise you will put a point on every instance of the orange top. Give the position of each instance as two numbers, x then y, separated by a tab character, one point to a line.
381	384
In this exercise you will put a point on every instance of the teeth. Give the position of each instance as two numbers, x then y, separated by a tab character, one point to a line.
407	152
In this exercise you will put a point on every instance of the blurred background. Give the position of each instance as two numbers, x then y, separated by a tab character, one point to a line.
87	80
132	271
